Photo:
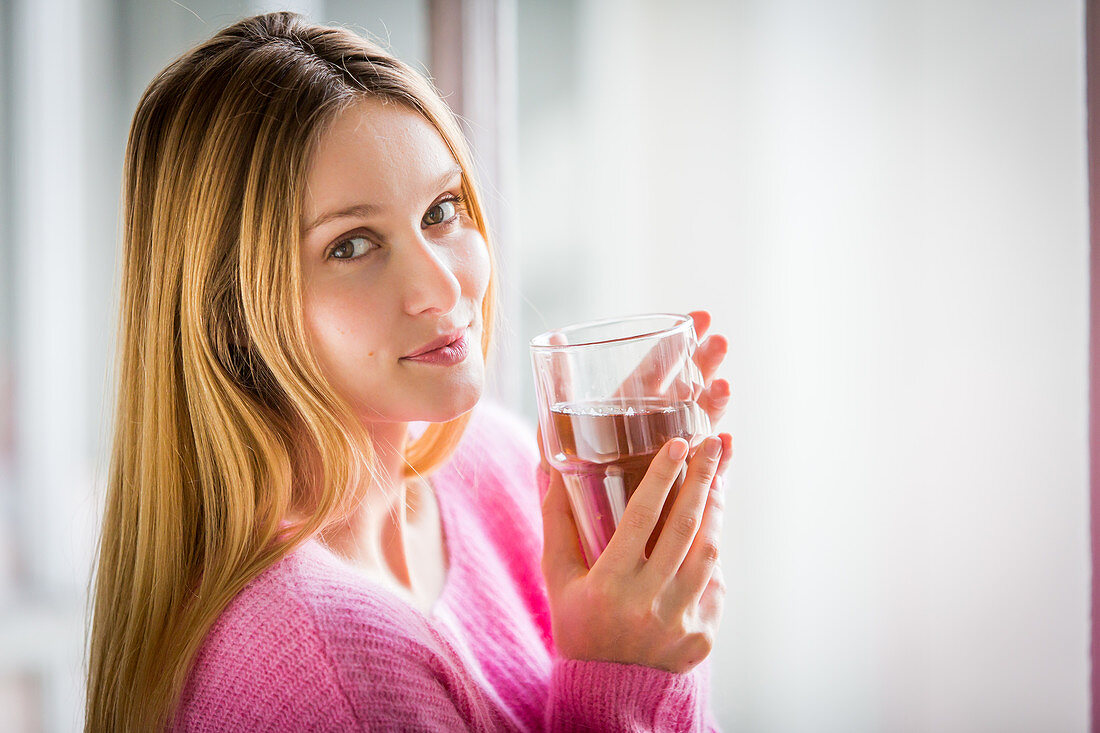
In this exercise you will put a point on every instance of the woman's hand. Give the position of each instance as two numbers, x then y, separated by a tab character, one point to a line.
660	612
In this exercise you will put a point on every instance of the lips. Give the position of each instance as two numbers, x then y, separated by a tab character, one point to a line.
445	356
438	343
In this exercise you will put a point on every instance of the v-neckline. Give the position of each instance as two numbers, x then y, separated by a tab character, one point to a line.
451	552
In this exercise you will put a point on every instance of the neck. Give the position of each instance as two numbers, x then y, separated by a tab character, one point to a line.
373	535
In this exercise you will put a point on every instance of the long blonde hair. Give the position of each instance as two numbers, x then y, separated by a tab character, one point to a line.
225	426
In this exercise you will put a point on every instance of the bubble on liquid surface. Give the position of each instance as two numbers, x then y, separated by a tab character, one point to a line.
603	409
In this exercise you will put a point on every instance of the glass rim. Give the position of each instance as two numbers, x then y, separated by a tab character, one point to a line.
679	320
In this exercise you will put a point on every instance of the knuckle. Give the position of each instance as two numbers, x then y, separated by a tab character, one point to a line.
601	592
708	552
674	624
681	627
708	468
606	590
702	643
641	519
717	500
684	526
718	580
637	616
667	474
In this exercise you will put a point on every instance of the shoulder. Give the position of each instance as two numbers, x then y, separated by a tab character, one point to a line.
262	665
278	656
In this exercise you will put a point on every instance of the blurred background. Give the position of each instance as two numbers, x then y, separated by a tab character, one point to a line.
883	203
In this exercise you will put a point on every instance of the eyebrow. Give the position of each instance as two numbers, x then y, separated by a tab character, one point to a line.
364	210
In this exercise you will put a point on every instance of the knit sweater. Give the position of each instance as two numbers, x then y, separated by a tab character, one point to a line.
313	644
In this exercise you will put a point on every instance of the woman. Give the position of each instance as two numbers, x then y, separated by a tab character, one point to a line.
307	271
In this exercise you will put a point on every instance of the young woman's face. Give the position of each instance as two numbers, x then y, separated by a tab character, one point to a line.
409	266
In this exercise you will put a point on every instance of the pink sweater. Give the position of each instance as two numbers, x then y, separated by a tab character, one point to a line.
312	644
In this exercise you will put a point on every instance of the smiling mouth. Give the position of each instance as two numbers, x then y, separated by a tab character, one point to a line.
449	354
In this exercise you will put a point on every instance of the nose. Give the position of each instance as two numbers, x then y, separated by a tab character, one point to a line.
430	282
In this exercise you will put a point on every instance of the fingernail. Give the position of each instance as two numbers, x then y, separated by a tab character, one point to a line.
714	446
678	449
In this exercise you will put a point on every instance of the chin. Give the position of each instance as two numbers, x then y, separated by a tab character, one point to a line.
446	403
427	400
457	403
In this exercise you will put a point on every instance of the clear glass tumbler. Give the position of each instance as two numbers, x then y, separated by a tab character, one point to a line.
610	394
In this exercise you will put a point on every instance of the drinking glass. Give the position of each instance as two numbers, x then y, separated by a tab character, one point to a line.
610	394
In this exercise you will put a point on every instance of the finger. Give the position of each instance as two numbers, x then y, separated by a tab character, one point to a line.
698	568
558	391
562	557
701	322
710	354
626	549
543	463
727	456
713	598
686	517
714	400
562	370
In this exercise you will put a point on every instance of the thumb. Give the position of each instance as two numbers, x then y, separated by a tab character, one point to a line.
562	557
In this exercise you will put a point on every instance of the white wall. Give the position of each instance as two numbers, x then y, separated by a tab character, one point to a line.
884	205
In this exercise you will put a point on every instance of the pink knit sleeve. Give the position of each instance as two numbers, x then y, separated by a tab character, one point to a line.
610	696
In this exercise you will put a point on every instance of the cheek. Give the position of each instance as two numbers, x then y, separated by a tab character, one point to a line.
341	335
476	265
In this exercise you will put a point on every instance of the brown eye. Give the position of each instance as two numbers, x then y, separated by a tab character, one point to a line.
441	212
350	249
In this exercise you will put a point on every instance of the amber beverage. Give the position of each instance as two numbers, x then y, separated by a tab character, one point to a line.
606	449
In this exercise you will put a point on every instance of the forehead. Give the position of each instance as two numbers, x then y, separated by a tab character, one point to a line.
374	152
